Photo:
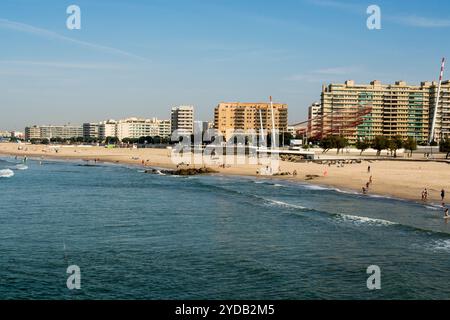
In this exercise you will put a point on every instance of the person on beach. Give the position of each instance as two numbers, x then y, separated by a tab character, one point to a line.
425	195
364	190
368	169
370	180
442	194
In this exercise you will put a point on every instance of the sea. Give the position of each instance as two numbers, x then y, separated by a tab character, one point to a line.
140	236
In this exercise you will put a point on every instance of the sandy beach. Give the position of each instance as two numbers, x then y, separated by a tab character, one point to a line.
401	179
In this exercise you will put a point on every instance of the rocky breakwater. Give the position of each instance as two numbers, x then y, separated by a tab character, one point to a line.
183	171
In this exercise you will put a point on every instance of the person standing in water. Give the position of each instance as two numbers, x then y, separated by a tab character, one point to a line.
446	215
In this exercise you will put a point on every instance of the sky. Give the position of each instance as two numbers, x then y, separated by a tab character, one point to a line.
141	57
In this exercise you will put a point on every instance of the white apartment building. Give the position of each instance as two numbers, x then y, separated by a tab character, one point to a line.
182	118
48	132
164	128
107	129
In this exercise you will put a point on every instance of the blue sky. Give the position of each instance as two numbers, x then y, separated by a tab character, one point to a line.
141	57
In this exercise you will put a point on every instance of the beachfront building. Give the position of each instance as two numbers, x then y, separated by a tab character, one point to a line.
442	128
107	129
136	128
363	111
182	119
49	132
91	130
165	129
314	116
17	134
232	116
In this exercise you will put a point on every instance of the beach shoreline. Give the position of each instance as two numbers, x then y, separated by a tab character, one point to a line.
393	179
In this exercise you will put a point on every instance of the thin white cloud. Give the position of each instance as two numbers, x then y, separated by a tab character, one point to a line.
322	75
338	70
421	22
62	65
411	20
25	28
338	5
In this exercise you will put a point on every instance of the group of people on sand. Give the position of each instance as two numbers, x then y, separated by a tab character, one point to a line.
365	189
446	209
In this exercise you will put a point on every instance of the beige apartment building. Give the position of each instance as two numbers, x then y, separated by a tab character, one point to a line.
231	116
364	111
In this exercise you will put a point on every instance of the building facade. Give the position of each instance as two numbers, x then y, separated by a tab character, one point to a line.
182	119
49	132
313	127
232	116
364	111
442	127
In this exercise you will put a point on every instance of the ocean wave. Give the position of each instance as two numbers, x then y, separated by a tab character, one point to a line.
284	204
364	220
440	245
21	167
315	187
435	207
6	173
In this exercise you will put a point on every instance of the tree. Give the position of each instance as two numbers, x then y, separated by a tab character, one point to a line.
285	139
112	140
380	143
327	143
340	143
394	144
445	147
410	144
362	145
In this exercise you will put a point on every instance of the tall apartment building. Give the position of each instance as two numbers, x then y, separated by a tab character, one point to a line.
442	128
365	111
48	132
107	129
91	130
314	117
165	129
182	119
231	116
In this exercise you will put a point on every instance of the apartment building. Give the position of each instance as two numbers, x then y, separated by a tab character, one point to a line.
182	119
442	126
364	111
48	132
231	116
313	127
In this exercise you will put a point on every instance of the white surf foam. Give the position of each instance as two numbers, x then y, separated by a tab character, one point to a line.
284	204
315	187
441	245
365	220
6	173
21	167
